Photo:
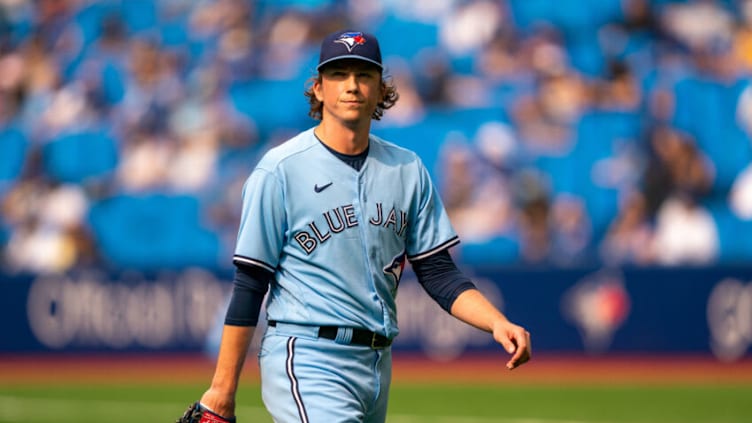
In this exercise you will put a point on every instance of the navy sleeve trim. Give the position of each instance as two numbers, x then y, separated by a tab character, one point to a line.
449	243
242	260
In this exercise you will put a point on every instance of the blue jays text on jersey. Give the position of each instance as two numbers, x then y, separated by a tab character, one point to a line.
343	217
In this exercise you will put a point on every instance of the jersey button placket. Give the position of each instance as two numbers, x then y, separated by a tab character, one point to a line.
363	196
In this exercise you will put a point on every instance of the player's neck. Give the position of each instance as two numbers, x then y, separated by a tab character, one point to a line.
343	139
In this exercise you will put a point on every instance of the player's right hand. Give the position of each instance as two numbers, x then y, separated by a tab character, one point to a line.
218	402
197	413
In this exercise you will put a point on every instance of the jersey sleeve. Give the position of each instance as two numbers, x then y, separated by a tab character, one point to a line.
261	231
430	231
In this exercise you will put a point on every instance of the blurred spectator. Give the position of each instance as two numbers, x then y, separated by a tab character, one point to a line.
476	196
286	47
629	239
12	67
499	61
50	235
470	27
145	162
152	88
675	167
619	91
40	83
533	205
546	119
571	232
433	77
410	108
685	233
698	24
545	116
742	39
740	198
193	166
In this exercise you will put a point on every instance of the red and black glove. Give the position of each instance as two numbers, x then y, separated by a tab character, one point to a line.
197	413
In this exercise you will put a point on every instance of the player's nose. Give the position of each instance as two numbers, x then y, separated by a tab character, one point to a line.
351	82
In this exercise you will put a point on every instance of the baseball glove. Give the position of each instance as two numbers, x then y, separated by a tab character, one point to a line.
197	413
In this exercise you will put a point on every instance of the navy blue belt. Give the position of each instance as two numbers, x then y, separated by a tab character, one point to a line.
359	336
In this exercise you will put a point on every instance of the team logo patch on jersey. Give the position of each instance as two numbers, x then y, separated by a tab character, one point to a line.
351	39
395	268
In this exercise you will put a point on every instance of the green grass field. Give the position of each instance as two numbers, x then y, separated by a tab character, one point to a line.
411	402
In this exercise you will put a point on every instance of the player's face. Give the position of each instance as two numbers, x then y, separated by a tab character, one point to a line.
350	90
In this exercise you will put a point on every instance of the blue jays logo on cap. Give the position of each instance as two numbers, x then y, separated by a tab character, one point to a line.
351	39
350	45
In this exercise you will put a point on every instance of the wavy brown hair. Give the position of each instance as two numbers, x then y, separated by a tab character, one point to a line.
388	100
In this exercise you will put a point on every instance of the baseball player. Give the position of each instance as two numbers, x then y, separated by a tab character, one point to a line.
329	219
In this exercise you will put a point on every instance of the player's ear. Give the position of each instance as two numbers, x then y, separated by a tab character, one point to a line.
316	88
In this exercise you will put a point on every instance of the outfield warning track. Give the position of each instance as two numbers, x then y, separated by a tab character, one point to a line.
549	368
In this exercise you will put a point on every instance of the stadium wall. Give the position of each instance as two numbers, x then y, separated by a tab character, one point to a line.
592	311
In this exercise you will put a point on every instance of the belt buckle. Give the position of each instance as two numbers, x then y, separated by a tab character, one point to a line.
375	344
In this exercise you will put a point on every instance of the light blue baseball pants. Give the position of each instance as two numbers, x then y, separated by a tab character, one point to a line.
307	379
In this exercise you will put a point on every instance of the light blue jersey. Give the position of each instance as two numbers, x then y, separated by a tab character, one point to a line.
336	238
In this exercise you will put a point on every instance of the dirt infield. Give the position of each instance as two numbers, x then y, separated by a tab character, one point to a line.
547	369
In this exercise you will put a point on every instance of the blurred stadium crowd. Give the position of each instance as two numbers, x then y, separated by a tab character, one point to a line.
572	133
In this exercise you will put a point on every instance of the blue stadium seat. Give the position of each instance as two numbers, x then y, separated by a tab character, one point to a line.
153	232
4	232
12	153
79	156
734	234
706	110
89	19
276	7
139	15
273	105
598	132
498	251
577	16
572	176
587	57
405	38
564	173
113	82
423	138
426	137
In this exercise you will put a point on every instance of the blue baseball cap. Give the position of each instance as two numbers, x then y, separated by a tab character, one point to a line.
350	45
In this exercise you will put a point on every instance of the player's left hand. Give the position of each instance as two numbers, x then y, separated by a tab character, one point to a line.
516	340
